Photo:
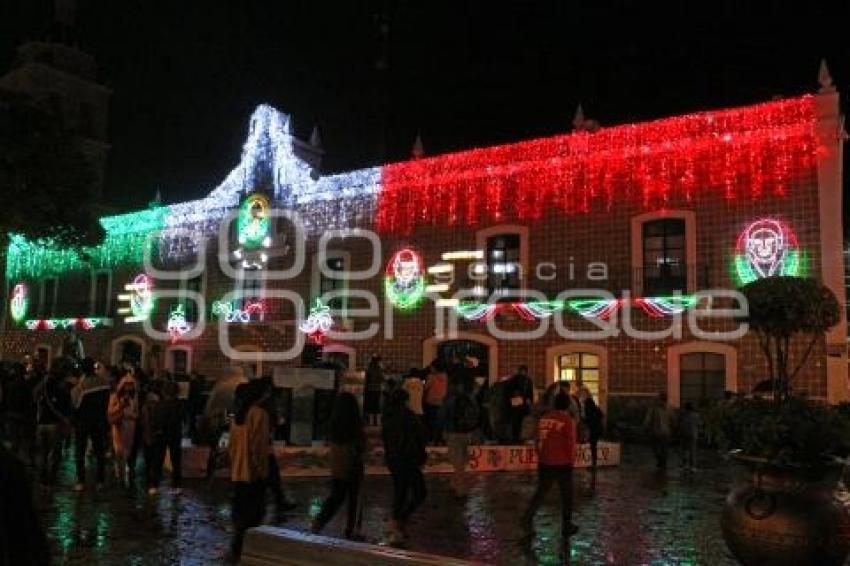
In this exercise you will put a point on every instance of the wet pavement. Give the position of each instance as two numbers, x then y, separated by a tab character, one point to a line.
634	516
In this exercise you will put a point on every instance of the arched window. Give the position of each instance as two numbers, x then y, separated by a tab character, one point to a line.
664	257
581	367
700	372
664	253
703	378
178	360
581	362
505	249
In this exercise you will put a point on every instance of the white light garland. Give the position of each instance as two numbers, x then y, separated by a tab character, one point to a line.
325	203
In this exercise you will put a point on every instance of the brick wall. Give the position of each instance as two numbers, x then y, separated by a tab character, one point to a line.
635	367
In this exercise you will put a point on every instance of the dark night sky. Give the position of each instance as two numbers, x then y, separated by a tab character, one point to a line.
186	74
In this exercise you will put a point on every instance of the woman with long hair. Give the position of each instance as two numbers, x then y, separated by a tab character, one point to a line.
249	461
347	445
123	413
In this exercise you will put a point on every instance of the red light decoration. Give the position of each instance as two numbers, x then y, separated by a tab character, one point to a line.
741	153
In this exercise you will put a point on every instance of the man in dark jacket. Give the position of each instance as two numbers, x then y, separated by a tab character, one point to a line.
53	404
22	540
90	398
21	411
461	418
162	423
520	391
404	451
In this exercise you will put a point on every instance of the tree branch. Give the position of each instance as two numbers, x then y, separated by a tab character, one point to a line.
806	355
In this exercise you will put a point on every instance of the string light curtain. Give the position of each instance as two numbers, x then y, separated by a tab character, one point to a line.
742	153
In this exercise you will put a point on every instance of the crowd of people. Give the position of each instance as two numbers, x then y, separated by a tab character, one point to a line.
506	412
115	411
116	414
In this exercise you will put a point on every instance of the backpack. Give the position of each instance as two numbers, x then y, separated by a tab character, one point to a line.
465	414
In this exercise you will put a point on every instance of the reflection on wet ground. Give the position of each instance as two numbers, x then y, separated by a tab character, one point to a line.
634	516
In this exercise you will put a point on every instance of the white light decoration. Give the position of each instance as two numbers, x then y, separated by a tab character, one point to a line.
463	254
441	268
318	323
140	299
231	314
177	325
269	156
269	159
19	302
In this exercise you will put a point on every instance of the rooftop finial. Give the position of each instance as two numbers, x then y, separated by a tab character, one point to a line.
578	119
315	138
824	78
582	124
418	149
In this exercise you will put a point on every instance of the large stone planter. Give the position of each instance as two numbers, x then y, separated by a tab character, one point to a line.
784	515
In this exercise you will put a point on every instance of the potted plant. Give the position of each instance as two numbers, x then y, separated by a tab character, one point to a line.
786	512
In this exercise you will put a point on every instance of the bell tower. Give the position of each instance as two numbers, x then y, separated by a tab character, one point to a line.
54	69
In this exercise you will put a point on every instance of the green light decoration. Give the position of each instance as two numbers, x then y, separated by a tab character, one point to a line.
19	302
542	309
253	225
594	308
476	311
666	306
407	299
123	245
588	308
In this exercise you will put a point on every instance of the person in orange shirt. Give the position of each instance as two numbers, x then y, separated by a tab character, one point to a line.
556	454
249	461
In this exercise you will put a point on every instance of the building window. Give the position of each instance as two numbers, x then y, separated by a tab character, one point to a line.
179	362
581	367
664	257
250	283
47	301
504	268
190	305
337	283
101	281
703	378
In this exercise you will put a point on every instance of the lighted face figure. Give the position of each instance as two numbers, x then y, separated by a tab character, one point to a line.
766	248
141	300
405	279
405	268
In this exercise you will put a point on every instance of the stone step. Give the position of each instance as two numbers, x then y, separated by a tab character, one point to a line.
273	546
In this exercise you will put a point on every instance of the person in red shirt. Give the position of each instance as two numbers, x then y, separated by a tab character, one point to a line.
556	454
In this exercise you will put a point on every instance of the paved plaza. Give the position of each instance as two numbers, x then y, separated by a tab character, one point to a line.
634	516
